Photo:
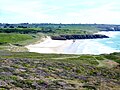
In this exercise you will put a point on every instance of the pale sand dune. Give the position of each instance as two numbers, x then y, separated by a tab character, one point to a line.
88	46
50	46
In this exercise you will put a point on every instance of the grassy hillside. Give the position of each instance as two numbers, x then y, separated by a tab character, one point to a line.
15	42
16	38
12	38
86	28
30	71
53	30
73	30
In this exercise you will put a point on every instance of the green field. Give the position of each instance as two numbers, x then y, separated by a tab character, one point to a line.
16	38
12	38
15	42
53	30
74	30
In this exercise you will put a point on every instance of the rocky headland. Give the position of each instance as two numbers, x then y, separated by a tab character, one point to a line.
69	37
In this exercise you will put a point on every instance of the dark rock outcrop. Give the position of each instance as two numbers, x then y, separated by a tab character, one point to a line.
69	37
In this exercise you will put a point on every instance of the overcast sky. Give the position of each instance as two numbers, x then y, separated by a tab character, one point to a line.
60	11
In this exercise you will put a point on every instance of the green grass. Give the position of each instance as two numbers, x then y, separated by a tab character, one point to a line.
21	39
21	28
68	29
15	42
13	38
75	59
79	29
54	30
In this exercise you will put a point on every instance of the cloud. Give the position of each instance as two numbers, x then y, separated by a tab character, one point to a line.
60	11
101	14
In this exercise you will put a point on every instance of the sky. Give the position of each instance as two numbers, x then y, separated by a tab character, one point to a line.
60	11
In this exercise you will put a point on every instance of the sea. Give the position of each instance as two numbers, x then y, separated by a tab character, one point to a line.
96	46
113	41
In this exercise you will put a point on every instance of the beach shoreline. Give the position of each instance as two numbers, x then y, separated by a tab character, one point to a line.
86	46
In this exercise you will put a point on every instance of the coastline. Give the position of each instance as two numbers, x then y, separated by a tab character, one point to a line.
87	46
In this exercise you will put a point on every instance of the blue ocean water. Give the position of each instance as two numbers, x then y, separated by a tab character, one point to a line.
113	42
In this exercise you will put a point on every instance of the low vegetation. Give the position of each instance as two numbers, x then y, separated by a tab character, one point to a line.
56	71
12	38
53	30
20	30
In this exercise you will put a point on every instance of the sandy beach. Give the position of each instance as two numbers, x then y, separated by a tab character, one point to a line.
86	46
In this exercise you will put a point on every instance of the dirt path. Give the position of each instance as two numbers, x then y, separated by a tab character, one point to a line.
106	63
67	57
